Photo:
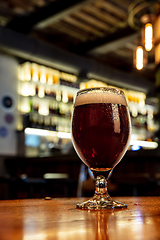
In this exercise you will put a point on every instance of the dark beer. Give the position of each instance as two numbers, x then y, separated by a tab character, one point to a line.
100	131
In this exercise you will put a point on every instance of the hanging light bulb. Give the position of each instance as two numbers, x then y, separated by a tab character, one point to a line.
157	37
139	58
148	36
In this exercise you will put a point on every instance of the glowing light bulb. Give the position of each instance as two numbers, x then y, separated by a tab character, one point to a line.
139	58
148	37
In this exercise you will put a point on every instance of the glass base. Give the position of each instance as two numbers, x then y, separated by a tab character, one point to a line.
99	202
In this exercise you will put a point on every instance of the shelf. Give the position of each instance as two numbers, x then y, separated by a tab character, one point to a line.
48	98
50	116
69	89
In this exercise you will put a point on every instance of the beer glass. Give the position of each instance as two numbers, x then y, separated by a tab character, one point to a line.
100	129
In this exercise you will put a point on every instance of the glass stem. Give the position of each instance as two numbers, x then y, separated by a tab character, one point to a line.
101	186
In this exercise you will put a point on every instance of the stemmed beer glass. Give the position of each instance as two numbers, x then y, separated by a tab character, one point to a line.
100	130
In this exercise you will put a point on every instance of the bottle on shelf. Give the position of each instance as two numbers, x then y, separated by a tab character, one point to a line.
37	89
58	95
57	109
48	91
24	72
65	96
36	107
41	92
40	122
51	108
42	74
34	121
47	122
31	104
34	72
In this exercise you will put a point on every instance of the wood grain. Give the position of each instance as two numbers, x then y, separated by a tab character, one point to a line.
59	219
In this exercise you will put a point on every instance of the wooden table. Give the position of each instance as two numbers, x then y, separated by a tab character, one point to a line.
39	219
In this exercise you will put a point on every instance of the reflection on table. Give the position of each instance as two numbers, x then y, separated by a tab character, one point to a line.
58	218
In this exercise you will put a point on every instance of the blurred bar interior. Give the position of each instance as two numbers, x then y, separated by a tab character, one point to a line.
48	51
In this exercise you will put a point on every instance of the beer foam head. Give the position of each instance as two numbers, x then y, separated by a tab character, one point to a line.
100	97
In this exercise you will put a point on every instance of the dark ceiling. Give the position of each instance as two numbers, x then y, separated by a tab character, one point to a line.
94	29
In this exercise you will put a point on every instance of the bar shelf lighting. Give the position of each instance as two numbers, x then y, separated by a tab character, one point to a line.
144	144
45	133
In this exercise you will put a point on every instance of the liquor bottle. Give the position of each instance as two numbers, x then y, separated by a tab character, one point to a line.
57	109
34	121
34	70
41	92
42	74
70	98
36	107
37	89
46	123
48	91
40	122
31	105
53	126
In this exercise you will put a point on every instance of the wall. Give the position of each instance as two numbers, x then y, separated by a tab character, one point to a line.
8	104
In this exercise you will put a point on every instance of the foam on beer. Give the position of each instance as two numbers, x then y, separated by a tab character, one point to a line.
100	97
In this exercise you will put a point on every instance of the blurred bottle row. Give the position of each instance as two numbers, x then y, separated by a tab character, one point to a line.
142	110
47	95
39	73
51	123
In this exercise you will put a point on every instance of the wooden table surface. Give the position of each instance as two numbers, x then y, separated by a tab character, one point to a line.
39	219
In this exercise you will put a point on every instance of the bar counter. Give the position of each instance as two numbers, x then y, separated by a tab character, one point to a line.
58	218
